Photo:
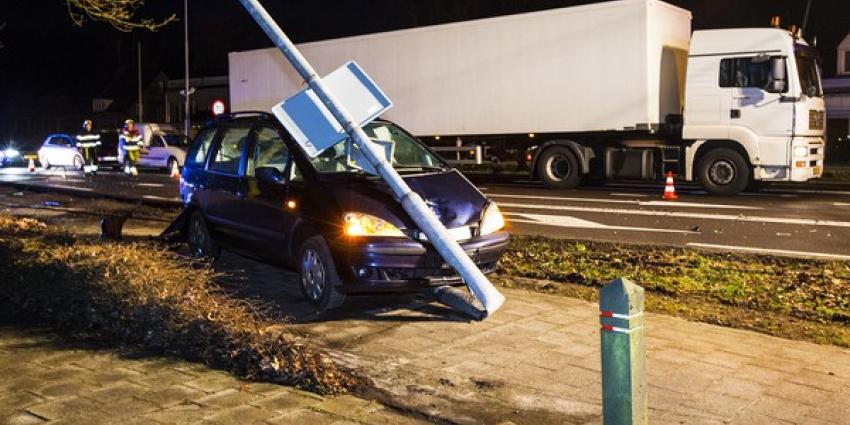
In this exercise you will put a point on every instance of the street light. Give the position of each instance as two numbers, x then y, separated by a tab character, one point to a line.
187	120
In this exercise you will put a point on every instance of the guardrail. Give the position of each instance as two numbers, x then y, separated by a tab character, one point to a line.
462	153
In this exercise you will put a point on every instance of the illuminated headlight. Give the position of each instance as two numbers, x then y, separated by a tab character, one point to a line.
801	151
493	220
359	224
11	153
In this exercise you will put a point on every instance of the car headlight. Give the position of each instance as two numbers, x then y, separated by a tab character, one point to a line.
11	153
800	151
493	220
359	224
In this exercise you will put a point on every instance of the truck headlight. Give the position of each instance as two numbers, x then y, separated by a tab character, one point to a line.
493	219
359	224
800	151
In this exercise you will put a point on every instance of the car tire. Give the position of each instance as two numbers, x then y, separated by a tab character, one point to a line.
558	168
723	172
45	164
317	275
201	243
78	163
171	165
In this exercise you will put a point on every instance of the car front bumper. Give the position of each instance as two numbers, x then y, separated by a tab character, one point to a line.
387	265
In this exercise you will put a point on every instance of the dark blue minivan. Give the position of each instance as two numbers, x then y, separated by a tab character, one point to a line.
249	188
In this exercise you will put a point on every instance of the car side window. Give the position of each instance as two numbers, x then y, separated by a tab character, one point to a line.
59	141
269	150
228	156
198	152
156	142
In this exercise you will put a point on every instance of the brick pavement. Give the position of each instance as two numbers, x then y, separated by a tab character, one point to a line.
537	360
43	380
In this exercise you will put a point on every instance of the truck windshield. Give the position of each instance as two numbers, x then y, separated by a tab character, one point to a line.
809	72
407	152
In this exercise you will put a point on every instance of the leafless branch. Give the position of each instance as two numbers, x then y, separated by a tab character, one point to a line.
118	13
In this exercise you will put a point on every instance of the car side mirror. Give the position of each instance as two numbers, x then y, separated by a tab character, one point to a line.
269	175
777	83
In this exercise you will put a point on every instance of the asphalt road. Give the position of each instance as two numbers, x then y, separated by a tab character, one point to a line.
806	220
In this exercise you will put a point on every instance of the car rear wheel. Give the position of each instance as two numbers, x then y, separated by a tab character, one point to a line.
173	166
78	163
201	243
318	276
558	168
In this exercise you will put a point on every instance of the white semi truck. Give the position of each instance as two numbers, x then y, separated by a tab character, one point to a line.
619	89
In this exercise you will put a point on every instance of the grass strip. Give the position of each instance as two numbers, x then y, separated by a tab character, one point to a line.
782	296
139	294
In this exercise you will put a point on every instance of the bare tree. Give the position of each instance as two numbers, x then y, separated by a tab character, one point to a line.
118	13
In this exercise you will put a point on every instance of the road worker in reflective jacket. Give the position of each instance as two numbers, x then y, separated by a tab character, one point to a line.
87	142
130	143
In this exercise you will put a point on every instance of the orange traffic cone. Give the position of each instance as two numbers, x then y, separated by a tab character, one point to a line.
669	189
31	165
175	172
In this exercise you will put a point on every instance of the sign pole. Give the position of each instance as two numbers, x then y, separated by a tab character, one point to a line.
412	203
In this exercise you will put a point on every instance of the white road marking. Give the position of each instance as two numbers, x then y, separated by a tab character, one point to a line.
804	254
159	198
150	184
809	191
729	217
630	195
573	222
629	202
61	186
841	204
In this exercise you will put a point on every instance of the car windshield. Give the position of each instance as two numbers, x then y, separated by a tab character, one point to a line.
177	140
408	154
807	68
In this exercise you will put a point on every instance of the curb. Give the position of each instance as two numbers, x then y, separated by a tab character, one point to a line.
153	201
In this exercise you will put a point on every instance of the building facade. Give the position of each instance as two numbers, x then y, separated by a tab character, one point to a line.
837	91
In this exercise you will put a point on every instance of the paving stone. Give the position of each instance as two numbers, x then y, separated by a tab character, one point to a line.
179	414
130	407
284	402
241	415
777	408
61	409
345	406
303	416
171	395
212	382
227	398
115	392
20	417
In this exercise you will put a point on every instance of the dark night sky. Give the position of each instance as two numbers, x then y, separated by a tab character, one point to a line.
48	62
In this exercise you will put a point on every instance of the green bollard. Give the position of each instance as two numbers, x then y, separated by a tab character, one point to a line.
623	354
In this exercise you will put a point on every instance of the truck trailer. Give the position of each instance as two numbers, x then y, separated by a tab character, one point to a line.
613	90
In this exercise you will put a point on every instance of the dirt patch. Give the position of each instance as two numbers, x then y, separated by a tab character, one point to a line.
137	293
788	297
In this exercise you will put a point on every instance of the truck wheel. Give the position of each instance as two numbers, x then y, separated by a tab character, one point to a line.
318	276
558	168
78	163
723	172
201	243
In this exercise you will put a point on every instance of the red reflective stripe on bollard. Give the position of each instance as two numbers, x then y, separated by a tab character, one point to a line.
620	316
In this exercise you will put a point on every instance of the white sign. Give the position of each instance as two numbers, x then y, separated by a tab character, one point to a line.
311	123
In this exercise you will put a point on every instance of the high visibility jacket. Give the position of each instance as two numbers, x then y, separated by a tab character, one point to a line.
130	141
88	139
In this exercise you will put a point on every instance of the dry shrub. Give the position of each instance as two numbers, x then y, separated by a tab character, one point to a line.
142	294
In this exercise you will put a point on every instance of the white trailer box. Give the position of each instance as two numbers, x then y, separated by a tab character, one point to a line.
609	66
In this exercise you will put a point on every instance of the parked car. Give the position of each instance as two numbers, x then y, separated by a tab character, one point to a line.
10	156
60	150
251	189
163	147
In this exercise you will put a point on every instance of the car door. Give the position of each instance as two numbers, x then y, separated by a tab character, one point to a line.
225	184
155	154
266	205
62	151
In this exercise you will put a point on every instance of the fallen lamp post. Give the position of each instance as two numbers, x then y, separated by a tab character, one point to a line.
491	299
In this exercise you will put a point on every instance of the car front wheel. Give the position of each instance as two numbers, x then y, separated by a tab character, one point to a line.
318	276
201	243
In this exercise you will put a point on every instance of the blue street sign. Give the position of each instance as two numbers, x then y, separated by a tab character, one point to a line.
311	123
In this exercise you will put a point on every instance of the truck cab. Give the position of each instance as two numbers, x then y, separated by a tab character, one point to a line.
754	109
